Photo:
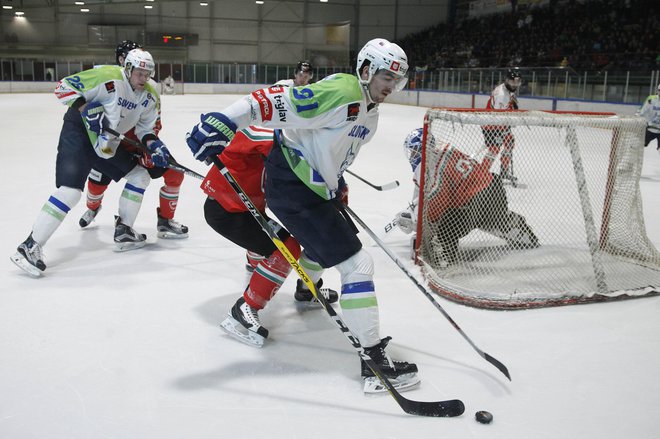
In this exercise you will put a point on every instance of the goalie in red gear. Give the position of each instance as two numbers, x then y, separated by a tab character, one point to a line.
464	195
504	97
227	215
98	183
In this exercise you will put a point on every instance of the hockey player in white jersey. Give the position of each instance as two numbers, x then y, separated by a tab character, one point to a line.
504	97
650	111
99	98
302	75
319	130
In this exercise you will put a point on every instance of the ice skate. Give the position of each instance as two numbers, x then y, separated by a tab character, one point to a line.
170	229
88	217
126	238
401	374
243	324
29	257
303	295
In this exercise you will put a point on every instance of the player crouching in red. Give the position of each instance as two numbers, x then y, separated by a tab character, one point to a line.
226	214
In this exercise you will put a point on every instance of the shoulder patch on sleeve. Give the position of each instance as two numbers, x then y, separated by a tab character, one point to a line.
110	87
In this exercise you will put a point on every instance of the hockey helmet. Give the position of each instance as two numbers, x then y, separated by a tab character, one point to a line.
123	48
412	146
513	79
305	67
380	54
140	59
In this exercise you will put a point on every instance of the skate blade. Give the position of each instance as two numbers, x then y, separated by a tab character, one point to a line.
24	265
373	386
127	246
231	326
168	235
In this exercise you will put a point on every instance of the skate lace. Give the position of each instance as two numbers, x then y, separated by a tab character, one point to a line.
250	315
35	252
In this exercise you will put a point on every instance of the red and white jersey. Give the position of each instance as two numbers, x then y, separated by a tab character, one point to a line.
457	179
501	99
244	158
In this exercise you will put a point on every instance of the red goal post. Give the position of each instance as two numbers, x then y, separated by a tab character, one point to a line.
570	231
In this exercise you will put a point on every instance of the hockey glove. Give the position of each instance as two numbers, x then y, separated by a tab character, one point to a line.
94	118
210	136
160	155
342	192
145	161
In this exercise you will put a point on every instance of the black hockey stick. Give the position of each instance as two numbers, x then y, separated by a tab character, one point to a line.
385	187
492	360
447	408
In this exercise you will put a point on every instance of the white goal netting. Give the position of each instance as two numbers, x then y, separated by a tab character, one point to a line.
557	221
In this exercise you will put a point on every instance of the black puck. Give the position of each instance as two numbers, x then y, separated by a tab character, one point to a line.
483	416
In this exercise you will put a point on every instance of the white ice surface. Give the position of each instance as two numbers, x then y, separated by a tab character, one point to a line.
128	345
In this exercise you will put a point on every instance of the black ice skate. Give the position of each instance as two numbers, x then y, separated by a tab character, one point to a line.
303	294
243	324
29	257
87	217
170	229
401	374
126	238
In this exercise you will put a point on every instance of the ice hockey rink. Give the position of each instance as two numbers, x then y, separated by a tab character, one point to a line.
128	345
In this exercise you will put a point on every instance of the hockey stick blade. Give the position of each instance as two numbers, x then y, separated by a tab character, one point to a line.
492	360
385	187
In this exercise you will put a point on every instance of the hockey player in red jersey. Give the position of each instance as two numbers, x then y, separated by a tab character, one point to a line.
226	214
465	196
504	97
98	183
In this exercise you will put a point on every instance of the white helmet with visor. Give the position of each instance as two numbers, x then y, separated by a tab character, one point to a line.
139	59
380	54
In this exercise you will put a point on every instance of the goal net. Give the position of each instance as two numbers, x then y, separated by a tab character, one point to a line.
169	86
561	224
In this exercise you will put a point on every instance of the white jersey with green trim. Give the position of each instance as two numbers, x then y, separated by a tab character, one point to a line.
326	123
123	107
651	112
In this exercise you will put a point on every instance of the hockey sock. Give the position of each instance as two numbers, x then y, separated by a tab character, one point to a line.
313	269
169	193
269	276
131	197
53	213
253	259
95	193
358	298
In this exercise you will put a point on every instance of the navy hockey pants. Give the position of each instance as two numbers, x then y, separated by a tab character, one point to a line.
317	224
76	156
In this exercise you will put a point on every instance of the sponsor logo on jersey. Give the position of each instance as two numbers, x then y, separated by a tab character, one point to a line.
275	89
264	105
353	112
126	104
279	106
359	132
110	87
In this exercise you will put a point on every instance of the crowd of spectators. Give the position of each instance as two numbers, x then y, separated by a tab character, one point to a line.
615	35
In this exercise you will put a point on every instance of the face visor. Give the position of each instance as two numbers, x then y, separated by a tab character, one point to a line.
394	80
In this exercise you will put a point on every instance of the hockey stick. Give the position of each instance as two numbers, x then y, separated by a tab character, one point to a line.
502	368
447	408
385	187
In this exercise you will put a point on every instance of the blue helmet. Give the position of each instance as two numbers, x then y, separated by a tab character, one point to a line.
412	147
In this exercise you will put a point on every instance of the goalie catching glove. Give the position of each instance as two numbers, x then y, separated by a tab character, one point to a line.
210	136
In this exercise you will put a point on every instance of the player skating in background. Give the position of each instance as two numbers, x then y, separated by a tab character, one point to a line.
302	75
465	196
503	97
98	183
319	131
100	98
650	111
226	214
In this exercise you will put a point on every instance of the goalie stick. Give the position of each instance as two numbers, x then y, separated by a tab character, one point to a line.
449	408
492	360
385	187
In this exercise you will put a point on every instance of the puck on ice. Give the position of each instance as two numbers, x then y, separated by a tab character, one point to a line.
483	416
